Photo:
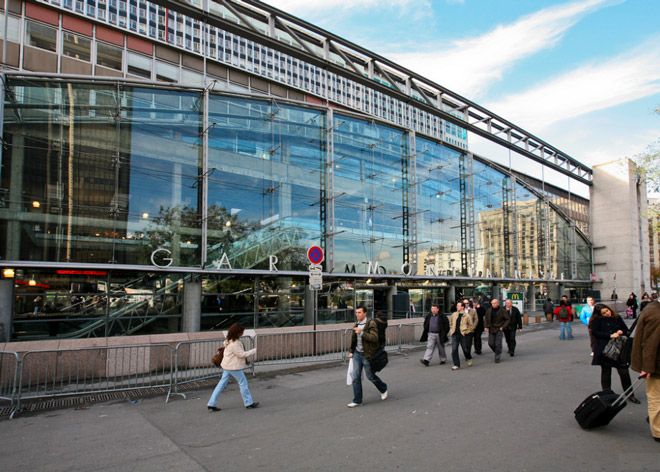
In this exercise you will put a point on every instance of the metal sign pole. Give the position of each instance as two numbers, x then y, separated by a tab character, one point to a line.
316	313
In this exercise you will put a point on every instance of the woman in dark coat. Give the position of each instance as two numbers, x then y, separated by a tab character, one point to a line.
632	304
604	325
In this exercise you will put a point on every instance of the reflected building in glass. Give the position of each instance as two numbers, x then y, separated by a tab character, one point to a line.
161	172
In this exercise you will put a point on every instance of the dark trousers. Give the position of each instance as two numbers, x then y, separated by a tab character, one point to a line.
510	336
457	340
477	341
606	377
495	343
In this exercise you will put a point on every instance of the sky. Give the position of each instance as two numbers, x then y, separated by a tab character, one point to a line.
582	75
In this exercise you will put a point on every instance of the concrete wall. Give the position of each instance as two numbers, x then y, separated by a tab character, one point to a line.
619	229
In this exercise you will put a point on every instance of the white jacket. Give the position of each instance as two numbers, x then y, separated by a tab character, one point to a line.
235	356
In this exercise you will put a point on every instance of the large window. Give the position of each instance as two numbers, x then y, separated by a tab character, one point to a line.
109	56
102	189
40	36
76	46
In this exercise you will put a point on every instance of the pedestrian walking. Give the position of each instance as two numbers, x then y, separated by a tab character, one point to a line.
564	313
479	329
632	305
496	321
515	325
646	299
364	344
470	311
606	325
646	361
585	317
436	328
461	325
233	362
548	309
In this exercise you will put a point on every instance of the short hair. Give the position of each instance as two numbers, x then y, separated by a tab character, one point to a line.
361	307
235	332
435	305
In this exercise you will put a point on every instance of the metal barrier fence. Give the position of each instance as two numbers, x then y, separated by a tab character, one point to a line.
9	373
67	373
48	374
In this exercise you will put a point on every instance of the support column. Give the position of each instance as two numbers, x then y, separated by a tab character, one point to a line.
15	197
308	316
391	293
6	309
450	295
192	306
531	297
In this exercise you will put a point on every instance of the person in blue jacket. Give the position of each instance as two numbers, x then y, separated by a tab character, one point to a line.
585	316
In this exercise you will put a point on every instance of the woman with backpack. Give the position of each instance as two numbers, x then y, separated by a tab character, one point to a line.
564	314
234	361
604	325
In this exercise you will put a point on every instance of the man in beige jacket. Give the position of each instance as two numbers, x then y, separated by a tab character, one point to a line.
461	326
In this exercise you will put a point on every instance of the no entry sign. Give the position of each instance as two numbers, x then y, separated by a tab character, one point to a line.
315	255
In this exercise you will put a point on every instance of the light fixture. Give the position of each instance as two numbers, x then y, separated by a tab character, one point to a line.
368	281
8	273
145	216
228	223
32	282
36	204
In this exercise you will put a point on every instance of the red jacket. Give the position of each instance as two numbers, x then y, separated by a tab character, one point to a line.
570	313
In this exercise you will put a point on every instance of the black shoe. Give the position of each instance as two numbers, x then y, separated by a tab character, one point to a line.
656	439
424	362
214	408
253	405
478	353
634	400
497	361
443	362
511	354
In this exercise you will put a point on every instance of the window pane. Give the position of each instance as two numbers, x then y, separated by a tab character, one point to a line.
76	46
139	65
108	56
13	28
41	36
167	72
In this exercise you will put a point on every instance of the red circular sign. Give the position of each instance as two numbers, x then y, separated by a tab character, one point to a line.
315	255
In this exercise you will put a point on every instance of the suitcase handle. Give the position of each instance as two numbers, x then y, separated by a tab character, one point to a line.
627	393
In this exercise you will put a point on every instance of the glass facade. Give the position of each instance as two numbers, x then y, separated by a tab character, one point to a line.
235	189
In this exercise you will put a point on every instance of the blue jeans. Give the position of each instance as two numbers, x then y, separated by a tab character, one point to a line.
239	376
565	330
359	361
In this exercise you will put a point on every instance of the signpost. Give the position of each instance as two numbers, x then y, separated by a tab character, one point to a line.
315	256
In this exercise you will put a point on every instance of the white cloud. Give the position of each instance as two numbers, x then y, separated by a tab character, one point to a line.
593	87
470	65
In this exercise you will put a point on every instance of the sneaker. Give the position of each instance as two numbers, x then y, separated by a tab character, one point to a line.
253	405
383	396
443	362
213	408
425	362
469	363
455	367
353	405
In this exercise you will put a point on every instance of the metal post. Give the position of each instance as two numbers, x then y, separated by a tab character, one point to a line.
316	312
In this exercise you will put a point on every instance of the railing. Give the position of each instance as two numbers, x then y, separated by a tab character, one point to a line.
38	375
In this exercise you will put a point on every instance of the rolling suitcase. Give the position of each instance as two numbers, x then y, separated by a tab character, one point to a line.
599	408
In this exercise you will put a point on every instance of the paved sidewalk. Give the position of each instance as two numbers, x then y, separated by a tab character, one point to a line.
513	416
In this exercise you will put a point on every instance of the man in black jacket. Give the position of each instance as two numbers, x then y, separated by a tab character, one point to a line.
481	313
516	324
497	320
436	327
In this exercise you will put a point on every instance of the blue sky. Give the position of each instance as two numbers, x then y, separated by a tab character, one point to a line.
584	75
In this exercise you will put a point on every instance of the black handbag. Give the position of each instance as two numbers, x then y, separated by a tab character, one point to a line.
378	361
614	348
